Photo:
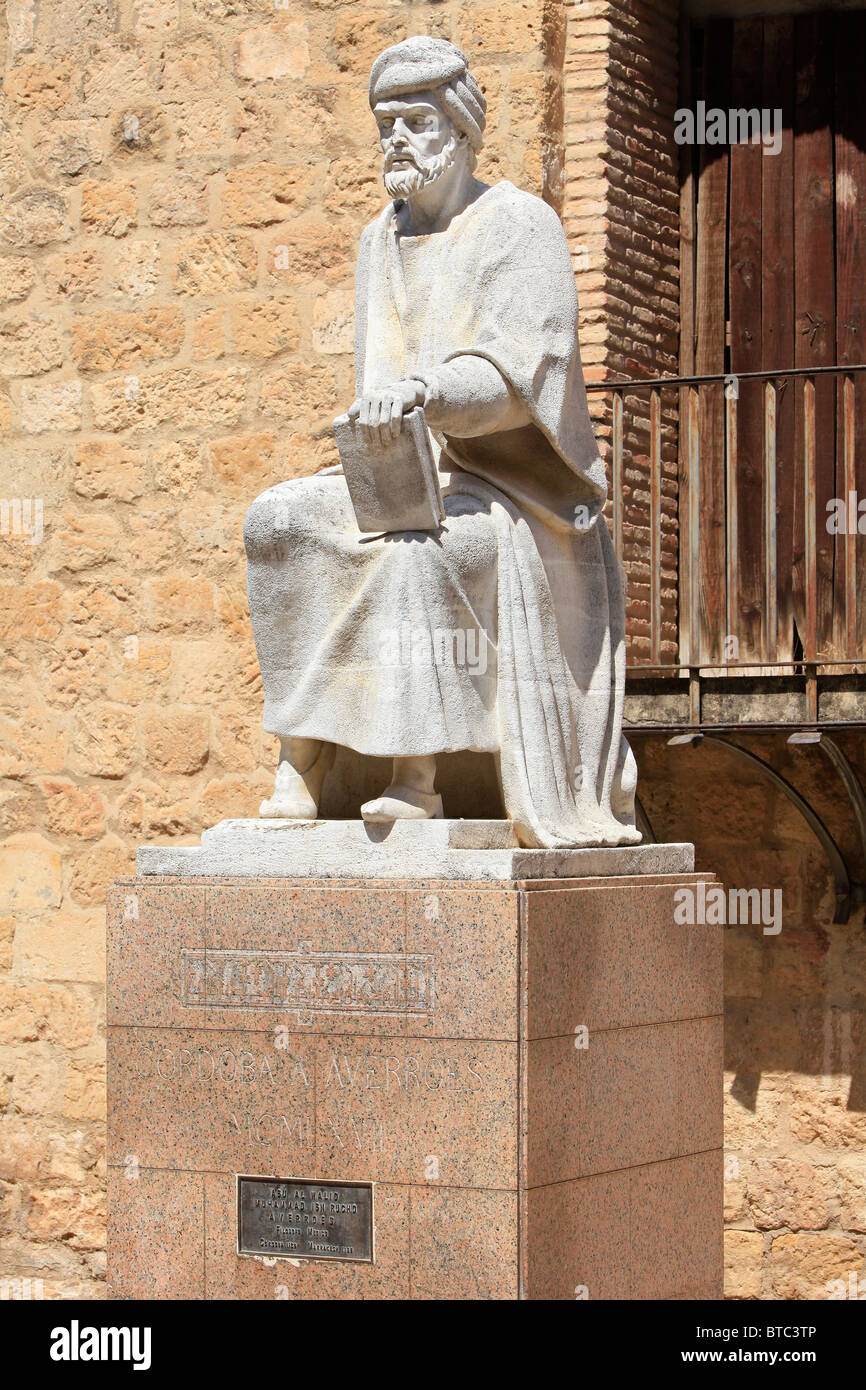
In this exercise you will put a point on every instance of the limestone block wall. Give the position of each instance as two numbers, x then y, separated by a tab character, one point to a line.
182	187
795	1014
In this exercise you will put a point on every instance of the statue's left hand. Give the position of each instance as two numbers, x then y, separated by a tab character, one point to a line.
380	413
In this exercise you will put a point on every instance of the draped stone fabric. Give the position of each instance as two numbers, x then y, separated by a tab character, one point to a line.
359	639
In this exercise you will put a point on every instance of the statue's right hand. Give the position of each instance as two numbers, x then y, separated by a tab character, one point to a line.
380	413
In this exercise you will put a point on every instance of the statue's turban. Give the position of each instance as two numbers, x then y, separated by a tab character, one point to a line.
424	64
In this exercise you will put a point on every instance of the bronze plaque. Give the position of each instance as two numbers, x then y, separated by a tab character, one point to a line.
296	1219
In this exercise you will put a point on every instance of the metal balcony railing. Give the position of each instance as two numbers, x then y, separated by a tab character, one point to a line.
745	490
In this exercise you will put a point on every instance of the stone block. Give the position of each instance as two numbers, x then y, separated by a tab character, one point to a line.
534	1125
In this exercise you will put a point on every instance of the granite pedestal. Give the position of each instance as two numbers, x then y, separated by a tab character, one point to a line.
525	1064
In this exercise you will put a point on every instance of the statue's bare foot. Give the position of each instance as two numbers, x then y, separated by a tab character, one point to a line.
410	795
298	783
402	803
290	803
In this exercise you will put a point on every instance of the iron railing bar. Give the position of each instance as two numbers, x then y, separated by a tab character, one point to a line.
820	665
732	568
679	727
771	611
850	474
694	474
795	667
617	475
655	526
657	382
810	560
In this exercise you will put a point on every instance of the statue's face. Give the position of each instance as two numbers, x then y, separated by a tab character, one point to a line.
419	142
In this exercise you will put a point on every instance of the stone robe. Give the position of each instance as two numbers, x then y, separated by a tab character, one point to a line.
504	631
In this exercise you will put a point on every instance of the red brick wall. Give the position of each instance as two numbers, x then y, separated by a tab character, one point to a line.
621	213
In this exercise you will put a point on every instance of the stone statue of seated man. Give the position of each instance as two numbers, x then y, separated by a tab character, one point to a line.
503	631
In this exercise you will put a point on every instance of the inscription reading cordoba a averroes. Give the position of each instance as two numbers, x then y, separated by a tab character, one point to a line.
310	981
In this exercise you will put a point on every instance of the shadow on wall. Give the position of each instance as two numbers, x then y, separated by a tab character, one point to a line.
795	994
467	781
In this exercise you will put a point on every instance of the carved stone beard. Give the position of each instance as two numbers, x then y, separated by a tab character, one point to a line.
403	183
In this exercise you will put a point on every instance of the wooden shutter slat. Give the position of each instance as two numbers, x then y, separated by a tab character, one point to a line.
850	142
814	304
746	528
777	305
710	317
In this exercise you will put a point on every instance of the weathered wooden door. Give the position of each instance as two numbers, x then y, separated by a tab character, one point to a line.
774	278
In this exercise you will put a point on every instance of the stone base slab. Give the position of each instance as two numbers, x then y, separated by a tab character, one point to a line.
448	849
530	1076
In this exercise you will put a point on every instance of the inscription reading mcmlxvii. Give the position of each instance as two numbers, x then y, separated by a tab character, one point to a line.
313	982
303	1220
